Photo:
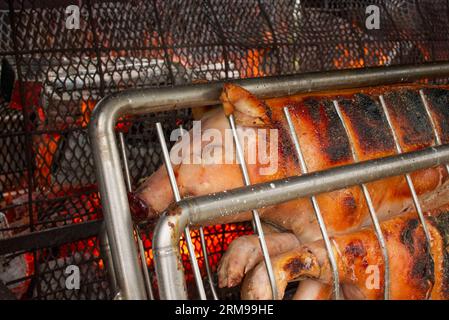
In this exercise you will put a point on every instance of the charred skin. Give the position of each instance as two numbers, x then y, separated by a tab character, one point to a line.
438	100
324	144
413	272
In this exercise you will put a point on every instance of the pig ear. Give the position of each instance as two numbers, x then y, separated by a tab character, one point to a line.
248	110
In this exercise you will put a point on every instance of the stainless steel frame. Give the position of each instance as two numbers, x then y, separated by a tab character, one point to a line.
200	210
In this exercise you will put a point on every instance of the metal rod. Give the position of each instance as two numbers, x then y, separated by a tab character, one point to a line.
105	250
407	176
372	211
177	195
167	162
140	101
146	275
432	122
316	209
167	258
125	160
207	265
210	278
256	218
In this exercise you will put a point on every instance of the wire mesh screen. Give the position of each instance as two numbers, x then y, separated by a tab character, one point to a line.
52	76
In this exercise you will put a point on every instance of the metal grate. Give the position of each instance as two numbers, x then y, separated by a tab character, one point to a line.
46	166
201	209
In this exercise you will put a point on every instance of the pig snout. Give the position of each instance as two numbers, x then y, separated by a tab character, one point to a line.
140	210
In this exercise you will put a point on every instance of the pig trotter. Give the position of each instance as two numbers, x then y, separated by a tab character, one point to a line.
298	264
244	253
241	256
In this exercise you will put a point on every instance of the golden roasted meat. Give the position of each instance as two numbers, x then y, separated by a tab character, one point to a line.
325	144
415	272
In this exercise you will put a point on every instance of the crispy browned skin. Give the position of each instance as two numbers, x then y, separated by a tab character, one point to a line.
438	100
413	273
325	144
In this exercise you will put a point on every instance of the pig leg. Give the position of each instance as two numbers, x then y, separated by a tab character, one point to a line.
312	290
360	262
297	264
245	252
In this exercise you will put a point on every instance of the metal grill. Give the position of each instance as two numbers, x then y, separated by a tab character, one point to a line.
47	179
200	210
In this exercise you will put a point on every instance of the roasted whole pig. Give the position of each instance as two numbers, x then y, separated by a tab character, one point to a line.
324	144
415	271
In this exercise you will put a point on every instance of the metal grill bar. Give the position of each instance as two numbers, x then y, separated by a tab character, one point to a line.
316	209
372	211
210	278
177	195
407	176
432	122
105	250
143	260
121	137
207	265
256	218
141	101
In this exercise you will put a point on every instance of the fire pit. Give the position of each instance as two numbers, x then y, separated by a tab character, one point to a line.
52	77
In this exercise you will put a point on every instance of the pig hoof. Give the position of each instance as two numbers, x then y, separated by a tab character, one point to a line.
242	255
257	285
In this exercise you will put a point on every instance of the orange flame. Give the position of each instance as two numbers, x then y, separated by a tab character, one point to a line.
86	110
253	63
